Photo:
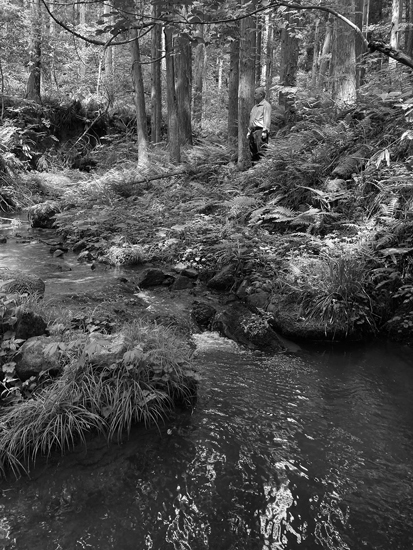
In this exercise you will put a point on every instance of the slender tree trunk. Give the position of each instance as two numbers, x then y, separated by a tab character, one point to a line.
397	9
246	87
360	47
269	56
34	81
107	8
156	83
172	104
288	65
366	13
82	45
409	21
199	64
233	83
314	68
137	79
258	55
326	53
183	85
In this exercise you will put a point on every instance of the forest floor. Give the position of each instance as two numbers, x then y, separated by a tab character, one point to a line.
316	239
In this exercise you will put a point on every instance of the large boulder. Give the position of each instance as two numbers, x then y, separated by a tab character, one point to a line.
29	324
152	276
32	358
15	282
237	322
44	214
224	279
202	314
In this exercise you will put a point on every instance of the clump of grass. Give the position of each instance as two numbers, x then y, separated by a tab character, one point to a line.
142	384
331	288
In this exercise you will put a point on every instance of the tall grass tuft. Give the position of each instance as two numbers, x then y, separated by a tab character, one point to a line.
142	385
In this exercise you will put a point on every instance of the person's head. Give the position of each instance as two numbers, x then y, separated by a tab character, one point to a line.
259	94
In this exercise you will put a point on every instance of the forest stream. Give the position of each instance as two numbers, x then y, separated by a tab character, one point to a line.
307	451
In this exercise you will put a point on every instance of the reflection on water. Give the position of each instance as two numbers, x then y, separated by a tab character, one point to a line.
284	453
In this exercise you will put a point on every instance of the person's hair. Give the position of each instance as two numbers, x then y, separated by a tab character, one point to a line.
260	91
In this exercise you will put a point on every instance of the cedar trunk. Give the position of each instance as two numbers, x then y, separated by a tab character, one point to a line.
172	105
137	80
233	83
245	88
156	85
34	82
183	83
199	64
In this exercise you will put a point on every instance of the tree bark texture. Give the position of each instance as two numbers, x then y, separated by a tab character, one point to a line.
269	56
258	55
396	14
33	91
233	83
156	83
315	64
183	85
325	59
172	104
246	87
288	65
137	79
409	21
344	74
199	66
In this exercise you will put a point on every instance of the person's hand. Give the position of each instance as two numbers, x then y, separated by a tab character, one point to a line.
264	134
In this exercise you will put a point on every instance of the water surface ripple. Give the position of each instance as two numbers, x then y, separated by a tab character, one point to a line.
281	453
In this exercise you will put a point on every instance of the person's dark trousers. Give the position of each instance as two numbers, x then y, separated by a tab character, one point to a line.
257	143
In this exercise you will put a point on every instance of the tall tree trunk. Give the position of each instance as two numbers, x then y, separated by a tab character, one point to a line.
137	79
366	15
107	8
156	83
269	56
246	87
172	104
344	73
199	64
326	53
409	21
360	47
397	8
314	68
183	85
258	55
82	45
288	65
233	83
34	81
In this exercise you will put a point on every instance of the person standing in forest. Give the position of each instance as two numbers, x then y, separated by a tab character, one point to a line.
259	126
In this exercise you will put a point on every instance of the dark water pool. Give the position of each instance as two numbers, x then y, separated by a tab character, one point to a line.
311	452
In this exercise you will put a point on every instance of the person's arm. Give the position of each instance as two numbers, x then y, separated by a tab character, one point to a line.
267	116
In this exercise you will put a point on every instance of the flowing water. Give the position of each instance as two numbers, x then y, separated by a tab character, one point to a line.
313	451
